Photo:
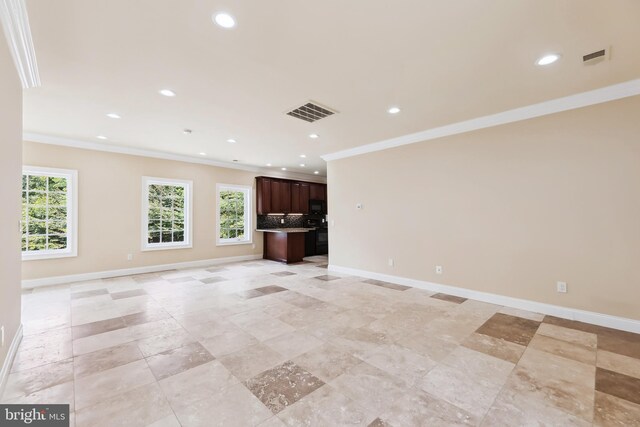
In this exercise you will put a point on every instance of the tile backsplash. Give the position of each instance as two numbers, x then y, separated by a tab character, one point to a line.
290	221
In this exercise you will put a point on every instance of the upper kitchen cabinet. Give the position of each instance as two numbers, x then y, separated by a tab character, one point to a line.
263	196
280	196
275	195
300	197
318	191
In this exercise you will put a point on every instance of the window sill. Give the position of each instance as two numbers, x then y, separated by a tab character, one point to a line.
50	255
244	242
165	248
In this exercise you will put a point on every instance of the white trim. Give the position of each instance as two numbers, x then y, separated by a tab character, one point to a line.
71	176
131	151
15	21
8	361
59	280
188	215
248	192
600	319
584	99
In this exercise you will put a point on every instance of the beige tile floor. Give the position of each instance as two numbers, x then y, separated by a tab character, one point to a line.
265	344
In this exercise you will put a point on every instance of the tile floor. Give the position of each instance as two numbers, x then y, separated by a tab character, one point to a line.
264	344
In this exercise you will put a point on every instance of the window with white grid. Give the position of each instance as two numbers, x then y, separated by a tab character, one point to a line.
49	213
166	214
233	214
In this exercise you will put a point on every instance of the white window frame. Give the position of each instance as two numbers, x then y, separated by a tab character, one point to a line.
248	203
72	213
188	217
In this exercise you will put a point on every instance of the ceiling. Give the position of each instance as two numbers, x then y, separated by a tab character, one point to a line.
440	61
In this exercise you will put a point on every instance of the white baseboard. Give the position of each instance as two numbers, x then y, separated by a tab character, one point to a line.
600	319
58	280
8	361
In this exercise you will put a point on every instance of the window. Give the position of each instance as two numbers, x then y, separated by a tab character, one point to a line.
49	213
166	214
233	214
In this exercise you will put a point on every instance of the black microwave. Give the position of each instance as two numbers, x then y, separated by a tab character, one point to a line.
317	207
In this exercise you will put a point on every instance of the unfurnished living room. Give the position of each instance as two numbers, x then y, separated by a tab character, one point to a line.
335	213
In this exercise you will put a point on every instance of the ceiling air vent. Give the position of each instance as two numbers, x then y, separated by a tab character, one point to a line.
595	57
311	112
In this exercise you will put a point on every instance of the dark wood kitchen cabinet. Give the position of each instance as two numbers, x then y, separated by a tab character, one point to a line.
263	196
280	196
284	247
274	195
317	192
300	197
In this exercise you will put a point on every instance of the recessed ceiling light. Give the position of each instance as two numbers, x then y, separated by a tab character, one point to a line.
269	164
224	20
284	169
203	154
167	92
302	165
101	137
231	141
393	110
303	155
187	131
114	116
548	59
314	136
316	172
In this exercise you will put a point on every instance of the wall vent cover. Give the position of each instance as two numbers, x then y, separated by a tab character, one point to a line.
311	112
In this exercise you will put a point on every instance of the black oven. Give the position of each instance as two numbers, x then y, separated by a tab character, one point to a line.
317	207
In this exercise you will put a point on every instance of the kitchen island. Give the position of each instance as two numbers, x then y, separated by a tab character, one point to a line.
284	244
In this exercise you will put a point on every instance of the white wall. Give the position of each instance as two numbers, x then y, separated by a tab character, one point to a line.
508	210
10	181
110	210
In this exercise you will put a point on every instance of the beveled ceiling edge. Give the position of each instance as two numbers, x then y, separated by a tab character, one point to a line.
86	145
571	102
15	22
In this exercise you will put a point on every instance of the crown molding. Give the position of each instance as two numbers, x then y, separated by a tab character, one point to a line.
15	21
584	99
120	149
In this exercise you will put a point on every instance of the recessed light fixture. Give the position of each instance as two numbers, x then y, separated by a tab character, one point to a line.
269	164
167	92
303	156
101	137
231	141
187	131
114	116
284	169
548	59
203	154
314	136
316	172
393	110
302	165
224	20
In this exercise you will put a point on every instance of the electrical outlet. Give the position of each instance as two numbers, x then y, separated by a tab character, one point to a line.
2	336
390	262
359	206
253	246
281	220
129	257
562	287
438	269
